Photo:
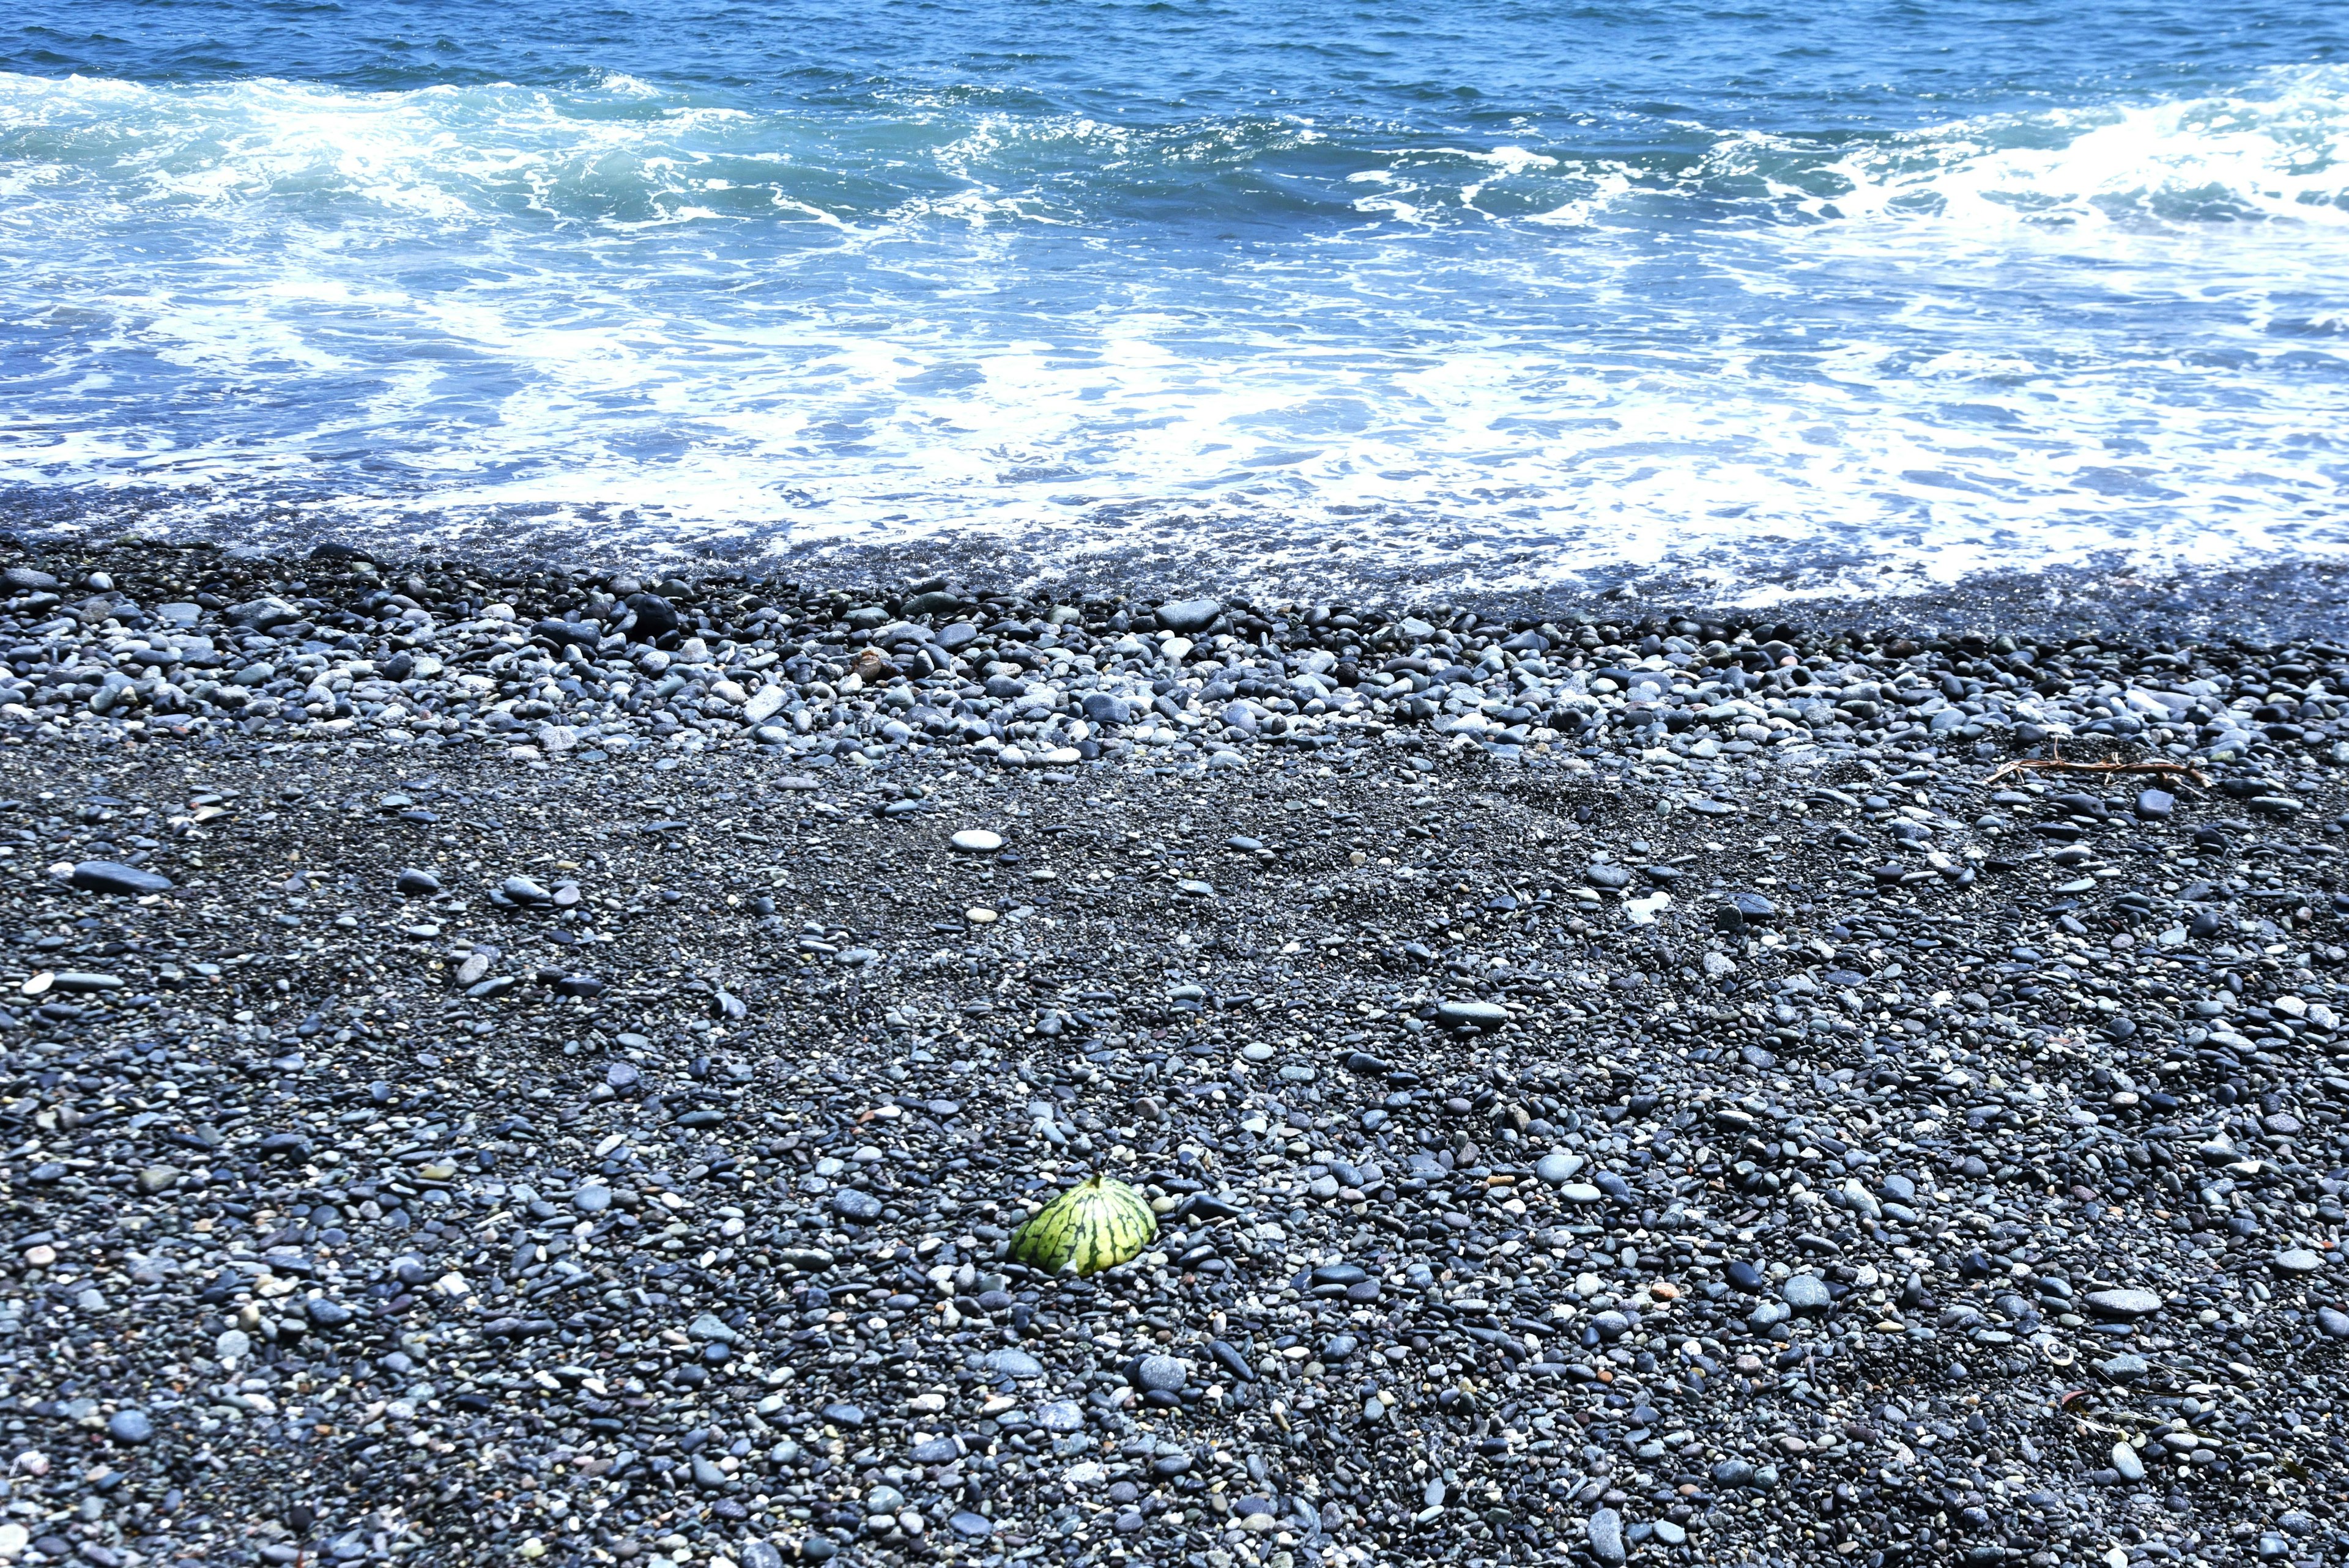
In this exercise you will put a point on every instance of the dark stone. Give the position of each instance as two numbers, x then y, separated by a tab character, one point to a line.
113	877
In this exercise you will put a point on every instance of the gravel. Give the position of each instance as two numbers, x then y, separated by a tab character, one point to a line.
449	1130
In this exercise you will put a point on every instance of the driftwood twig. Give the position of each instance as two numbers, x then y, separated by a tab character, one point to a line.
2058	765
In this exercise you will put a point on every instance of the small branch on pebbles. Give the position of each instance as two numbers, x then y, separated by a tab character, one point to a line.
2058	765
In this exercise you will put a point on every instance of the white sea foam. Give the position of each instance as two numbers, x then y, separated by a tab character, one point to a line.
2019	342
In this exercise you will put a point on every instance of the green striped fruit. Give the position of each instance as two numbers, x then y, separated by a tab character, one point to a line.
1094	1225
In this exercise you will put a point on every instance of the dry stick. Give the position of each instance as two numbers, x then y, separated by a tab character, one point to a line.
2057	763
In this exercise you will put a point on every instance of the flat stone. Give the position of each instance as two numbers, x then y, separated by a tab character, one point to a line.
852	1204
2125	1461
2123	1303
976	842
1189	616
1013	1363
114	877
2298	1261
1557	1169
970	1526
1466	1015
1807	1293
323	1313
591	1199
1163	1373
130	1428
710	1327
2125	1368
1605	1535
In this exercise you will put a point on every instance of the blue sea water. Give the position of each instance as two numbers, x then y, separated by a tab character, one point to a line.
1795	299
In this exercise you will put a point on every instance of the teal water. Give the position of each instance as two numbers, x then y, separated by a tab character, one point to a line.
1869	294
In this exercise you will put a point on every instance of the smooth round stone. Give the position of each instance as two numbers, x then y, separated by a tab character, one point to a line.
2125	1460
706	1473
841	1413
2126	1368
970	1526
1555	1169
1581	1192
1744	1276
852	1204
976	842
884	1499
1670	1534
2333	1322
2298	1261
592	1199
130	1428
2123	1303
621	1075
1014	1363
935	1452
1731	1472
1160	1374
1807	1293
762	1554
1061	1415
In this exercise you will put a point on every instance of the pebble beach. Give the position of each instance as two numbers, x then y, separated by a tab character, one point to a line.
543	1066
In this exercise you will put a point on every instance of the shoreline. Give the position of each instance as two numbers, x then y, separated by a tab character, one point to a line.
2110	593
1732	1125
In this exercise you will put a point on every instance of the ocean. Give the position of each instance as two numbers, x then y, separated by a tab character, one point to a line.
1784	301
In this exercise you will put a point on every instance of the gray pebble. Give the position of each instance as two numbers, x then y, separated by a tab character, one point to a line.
1806	1294
1014	1364
1164	1373
1605	1536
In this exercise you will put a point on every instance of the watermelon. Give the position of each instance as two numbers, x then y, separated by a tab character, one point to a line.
1094	1225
